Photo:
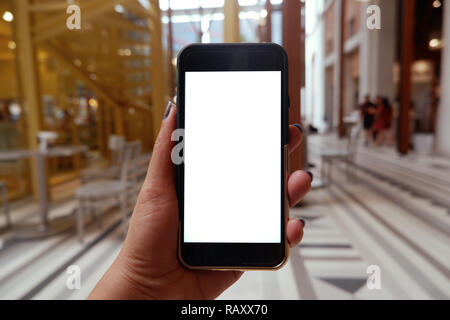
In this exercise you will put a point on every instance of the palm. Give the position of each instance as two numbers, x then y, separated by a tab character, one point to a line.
148	265
154	226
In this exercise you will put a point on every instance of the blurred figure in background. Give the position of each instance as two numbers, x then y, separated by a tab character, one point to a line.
383	121
368	116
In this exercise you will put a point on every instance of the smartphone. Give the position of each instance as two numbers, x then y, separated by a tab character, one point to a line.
233	105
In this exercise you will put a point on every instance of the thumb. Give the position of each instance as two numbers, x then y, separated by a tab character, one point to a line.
160	173
154	219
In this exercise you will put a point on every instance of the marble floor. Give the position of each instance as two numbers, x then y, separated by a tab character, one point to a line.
392	218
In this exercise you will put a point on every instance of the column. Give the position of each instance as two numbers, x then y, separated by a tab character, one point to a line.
231	22
443	117
269	21
28	82
340	22
377	52
159	84
293	45
407	56
171	89
119	119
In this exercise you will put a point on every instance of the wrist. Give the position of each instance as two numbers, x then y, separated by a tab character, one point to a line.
118	283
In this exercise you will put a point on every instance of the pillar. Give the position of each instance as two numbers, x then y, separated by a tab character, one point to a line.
231	21
28	77
159	84
269	21
377	52
171	89
443	118
406	58
119	113
340	11
292	43
119	121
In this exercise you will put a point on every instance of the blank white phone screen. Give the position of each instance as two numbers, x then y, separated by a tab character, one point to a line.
232	157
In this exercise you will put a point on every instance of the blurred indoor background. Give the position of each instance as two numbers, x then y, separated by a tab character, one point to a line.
369	81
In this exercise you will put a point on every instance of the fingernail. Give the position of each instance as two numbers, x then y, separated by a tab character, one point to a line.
168	108
299	127
311	175
303	222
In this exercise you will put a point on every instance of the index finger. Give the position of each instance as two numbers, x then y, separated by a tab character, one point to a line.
295	137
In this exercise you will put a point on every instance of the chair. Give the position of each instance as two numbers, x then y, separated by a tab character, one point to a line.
96	196
116	146
5	204
134	174
347	156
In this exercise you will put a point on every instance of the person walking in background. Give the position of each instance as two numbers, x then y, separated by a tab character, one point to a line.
368	116
383	121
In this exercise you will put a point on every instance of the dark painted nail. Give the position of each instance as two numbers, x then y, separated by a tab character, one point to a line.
168	108
303	222
299	127
311	175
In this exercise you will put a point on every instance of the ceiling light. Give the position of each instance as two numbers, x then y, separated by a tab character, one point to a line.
119	8
435	43
437	4
124	52
15	109
12	45
8	16
263	13
93	103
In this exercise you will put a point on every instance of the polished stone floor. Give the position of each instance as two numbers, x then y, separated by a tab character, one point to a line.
391	214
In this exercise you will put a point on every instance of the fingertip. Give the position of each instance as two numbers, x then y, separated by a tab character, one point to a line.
168	109
299	127
303	222
294	232
295	137
311	175
299	184
171	110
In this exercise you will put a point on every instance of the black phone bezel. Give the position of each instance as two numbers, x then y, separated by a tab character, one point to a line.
234	57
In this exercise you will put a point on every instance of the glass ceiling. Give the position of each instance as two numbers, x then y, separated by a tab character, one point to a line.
195	4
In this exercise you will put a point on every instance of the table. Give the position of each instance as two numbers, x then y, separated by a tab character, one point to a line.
46	227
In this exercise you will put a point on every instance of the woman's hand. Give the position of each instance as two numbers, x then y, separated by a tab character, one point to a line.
147	266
